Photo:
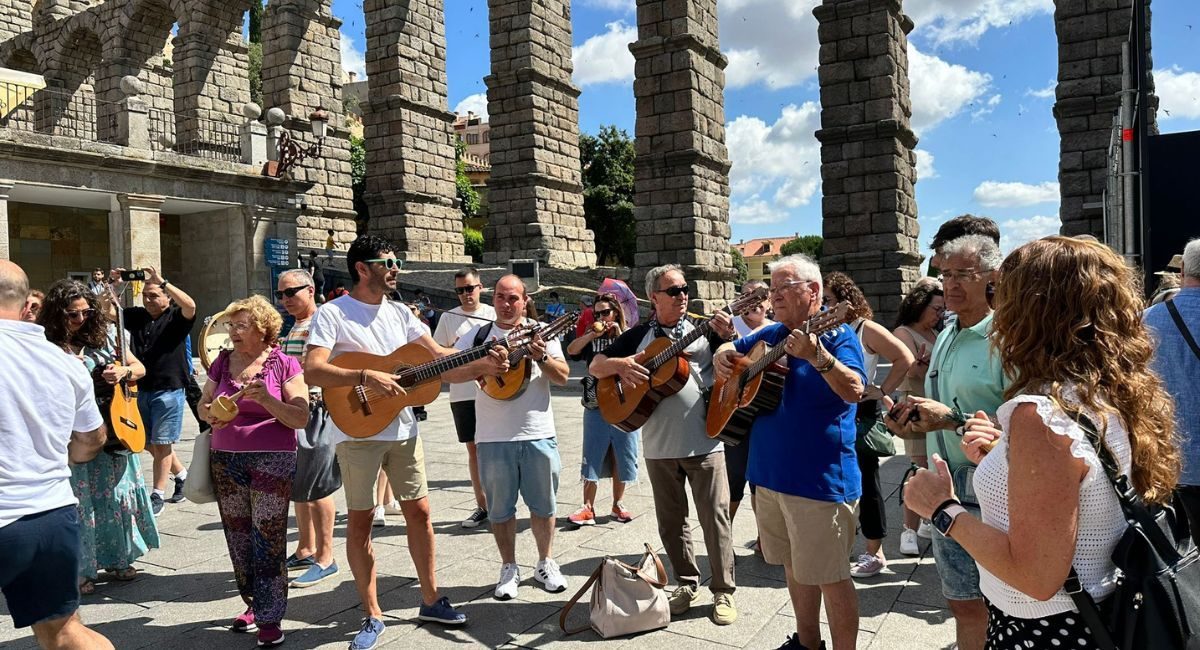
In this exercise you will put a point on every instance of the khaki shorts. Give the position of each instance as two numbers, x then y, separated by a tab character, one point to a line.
403	461
813	539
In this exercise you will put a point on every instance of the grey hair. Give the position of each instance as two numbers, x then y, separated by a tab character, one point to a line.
299	274
655	274
751	285
804	267
1191	259
977	246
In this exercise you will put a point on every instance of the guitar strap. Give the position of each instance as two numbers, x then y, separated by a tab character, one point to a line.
1183	328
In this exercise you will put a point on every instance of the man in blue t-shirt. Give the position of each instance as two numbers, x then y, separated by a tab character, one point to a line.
803	458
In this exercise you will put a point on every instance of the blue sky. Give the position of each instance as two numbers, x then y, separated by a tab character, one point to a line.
982	75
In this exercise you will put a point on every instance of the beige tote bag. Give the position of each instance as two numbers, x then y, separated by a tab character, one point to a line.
199	485
627	599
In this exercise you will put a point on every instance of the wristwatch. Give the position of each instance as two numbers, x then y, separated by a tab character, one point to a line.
164	284
945	515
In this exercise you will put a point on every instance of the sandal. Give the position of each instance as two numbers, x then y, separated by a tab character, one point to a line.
87	587
124	575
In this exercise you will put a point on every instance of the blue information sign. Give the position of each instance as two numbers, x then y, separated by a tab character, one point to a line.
277	252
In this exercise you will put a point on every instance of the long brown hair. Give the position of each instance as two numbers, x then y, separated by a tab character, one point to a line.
841	287
616	306
1068	313
93	333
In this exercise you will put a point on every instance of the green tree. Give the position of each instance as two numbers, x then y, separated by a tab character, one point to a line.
473	244
810	245
607	160
468	198
254	34
740	265
358	180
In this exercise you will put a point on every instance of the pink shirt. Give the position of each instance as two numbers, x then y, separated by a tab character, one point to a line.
254	429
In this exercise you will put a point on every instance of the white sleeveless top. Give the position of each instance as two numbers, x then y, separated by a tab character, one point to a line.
870	359
1101	522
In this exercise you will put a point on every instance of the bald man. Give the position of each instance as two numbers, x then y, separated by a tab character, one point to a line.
48	417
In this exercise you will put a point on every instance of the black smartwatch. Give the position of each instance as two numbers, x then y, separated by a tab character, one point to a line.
945	515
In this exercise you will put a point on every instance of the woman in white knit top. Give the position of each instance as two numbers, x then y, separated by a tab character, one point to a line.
1068	326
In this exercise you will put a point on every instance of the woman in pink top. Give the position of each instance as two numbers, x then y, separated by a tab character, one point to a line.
254	459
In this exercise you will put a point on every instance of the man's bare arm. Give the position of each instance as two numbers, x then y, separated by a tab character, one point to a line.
86	445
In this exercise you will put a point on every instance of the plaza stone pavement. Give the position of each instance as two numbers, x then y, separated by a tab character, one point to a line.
186	597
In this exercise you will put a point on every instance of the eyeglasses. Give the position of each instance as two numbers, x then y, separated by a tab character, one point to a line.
467	288
786	285
290	293
79	314
966	275
604	312
388	262
238	327
675	292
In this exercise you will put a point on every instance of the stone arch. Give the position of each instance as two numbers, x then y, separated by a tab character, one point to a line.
68	104
23	60
141	32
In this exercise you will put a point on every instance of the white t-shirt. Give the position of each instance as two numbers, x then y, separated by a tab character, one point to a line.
528	417
452	326
46	394
347	325
743	328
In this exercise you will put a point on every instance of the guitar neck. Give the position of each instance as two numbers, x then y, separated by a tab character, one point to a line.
776	353
678	347
433	369
555	329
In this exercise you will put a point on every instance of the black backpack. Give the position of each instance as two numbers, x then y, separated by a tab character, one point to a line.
1157	601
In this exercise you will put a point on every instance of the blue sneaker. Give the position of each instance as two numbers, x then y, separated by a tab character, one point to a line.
315	575
300	563
442	612
368	637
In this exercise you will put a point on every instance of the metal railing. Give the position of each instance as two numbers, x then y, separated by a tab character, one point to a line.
189	135
53	111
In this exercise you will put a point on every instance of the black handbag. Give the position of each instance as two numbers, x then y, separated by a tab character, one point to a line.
1157	600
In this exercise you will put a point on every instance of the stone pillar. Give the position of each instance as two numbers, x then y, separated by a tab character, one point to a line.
868	167
133	118
16	18
302	71
681	179
5	246
254	136
212	81
535	192
1088	95
134	240
410	148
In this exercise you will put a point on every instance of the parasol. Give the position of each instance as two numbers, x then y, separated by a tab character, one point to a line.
624	296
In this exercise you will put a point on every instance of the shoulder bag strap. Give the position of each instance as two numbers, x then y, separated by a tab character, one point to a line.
562	618
1089	611
1183	328
659	580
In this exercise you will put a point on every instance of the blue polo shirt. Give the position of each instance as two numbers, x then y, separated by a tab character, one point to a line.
806	446
1179	369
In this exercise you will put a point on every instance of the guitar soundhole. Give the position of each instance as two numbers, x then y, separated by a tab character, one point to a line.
406	381
500	382
129	423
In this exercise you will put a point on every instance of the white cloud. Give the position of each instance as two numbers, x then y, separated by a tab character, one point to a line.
625	6
772	42
353	59
755	211
477	104
964	21
785	153
1178	93
986	108
925	168
941	90
605	58
1043	93
1014	195
1014	232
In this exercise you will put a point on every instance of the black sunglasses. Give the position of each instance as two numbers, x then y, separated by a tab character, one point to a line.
675	292
388	262
79	314
467	289
291	293
604	312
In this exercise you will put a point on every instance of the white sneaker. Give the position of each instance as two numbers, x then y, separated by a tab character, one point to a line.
510	577
925	529
908	542
377	518
548	573
392	508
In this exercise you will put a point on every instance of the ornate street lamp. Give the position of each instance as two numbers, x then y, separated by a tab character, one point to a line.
291	153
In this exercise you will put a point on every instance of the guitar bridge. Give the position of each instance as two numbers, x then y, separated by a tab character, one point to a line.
620	391
361	393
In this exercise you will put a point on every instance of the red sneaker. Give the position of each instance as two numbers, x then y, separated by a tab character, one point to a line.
244	622
585	516
621	514
269	635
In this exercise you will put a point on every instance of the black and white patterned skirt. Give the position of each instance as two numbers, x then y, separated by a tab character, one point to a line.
1065	631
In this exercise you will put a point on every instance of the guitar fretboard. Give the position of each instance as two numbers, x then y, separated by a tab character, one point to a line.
428	371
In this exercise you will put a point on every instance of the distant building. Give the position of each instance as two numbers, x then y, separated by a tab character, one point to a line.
760	252
474	131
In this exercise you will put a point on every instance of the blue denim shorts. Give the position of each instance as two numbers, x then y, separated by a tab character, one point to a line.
40	572
600	436
162	413
956	567
530	467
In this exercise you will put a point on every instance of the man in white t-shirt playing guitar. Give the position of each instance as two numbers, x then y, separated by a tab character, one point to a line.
366	321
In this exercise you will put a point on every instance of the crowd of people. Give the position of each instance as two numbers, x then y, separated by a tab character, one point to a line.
993	366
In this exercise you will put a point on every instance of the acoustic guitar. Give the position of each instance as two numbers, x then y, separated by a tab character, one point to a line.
511	384
628	407
756	383
361	413
126	419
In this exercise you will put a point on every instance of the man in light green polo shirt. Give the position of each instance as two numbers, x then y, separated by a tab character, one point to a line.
964	377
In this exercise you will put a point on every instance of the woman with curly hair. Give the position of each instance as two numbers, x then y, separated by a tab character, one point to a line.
254	458
116	522
876	341
1068	330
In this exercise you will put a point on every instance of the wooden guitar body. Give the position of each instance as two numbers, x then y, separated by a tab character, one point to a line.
628	407
511	384
735	403
361	414
125	417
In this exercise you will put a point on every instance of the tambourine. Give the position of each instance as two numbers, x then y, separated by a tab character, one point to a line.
214	338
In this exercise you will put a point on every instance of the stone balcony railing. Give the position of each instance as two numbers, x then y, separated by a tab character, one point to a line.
72	120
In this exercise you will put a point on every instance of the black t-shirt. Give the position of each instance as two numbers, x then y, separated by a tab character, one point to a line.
160	345
313	266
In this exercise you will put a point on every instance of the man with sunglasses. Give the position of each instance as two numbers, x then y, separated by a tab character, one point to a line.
366	321
450	328
677	448
159	333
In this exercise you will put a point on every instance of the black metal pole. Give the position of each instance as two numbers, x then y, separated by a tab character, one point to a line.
1141	133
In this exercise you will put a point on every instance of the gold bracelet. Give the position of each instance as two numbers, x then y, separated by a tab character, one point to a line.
829	366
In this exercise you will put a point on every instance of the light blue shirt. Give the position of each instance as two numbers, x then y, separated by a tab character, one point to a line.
1180	371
